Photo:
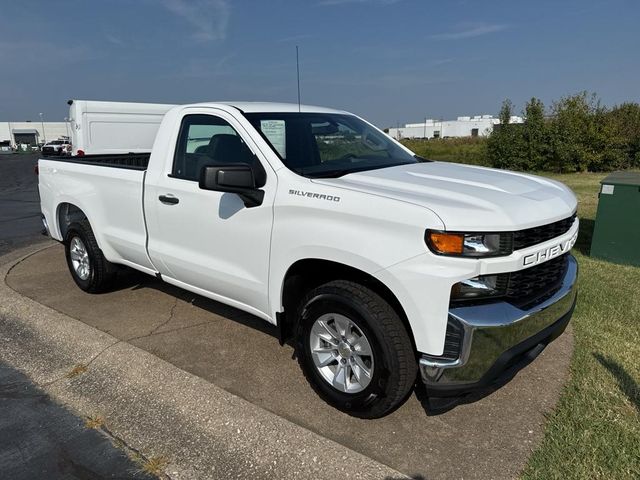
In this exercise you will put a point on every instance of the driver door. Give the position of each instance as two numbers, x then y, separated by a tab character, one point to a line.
208	241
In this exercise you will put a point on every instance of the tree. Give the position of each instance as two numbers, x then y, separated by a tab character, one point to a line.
583	137
506	112
624	122
535	134
505	146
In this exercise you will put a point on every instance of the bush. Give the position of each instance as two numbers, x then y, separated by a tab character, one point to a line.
579	135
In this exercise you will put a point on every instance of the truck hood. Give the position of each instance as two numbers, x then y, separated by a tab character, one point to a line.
467	197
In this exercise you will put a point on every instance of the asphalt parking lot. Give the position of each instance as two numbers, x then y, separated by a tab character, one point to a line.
487	436
19	203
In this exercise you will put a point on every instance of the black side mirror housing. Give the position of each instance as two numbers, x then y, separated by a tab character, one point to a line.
233	178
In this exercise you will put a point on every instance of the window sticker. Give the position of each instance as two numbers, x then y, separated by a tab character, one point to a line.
274	130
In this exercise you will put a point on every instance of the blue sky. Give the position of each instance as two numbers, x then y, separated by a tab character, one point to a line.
387	60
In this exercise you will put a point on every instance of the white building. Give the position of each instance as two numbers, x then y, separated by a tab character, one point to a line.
33	133
476	126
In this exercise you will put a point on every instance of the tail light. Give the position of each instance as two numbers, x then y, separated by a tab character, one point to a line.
80	153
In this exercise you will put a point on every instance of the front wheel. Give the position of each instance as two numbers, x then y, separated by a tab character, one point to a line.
354	349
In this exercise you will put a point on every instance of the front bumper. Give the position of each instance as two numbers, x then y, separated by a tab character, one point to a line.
499	338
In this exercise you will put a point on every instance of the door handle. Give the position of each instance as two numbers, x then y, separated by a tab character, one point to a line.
168	199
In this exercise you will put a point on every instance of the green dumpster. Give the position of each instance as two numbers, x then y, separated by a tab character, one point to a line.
616	236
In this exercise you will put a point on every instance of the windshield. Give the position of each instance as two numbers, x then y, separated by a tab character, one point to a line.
327	144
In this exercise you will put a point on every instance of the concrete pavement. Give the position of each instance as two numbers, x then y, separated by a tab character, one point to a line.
42	439
158	409
490	437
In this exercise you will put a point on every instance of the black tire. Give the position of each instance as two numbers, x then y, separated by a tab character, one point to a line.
395	364
101	271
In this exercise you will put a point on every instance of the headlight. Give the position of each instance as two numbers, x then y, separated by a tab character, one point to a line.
469	244
480	287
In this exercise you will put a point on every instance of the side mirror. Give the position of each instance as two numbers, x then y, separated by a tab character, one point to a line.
233	178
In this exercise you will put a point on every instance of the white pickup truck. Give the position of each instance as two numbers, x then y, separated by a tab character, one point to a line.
380	266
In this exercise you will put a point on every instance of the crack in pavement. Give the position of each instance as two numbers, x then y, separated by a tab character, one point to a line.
117	342
120	443
155	329
86	365
113	344
178	329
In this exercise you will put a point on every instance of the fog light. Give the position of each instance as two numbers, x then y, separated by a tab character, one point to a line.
482	286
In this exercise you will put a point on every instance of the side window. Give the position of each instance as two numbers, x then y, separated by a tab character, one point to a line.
207	140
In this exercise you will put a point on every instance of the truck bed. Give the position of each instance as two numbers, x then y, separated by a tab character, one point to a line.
109	197
131	161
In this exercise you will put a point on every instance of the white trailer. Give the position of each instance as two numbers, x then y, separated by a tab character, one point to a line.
96	125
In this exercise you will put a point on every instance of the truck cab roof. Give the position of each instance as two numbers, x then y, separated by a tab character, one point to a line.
270	107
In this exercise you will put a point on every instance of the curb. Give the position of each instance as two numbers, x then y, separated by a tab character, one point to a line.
158	409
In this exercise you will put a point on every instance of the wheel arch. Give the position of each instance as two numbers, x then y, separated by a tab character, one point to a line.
308	273
66	214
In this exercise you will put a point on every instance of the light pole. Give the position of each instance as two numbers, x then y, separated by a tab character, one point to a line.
66	124
44	134
425	127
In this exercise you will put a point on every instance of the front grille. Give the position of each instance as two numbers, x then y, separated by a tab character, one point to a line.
531	284
533	236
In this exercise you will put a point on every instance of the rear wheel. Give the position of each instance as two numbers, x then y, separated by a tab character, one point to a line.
89	269
354	349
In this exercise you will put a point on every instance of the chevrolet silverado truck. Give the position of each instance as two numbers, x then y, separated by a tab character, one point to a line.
380	267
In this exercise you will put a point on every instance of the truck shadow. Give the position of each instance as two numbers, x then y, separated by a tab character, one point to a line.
130	279
434	406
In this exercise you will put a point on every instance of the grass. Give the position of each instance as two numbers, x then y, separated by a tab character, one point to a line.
77	370
155	465
595	430
94	423
460	150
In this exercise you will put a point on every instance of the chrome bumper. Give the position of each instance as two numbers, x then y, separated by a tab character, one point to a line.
496	336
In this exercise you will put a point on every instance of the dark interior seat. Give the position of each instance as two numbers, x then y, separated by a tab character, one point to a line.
224	148
228	148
